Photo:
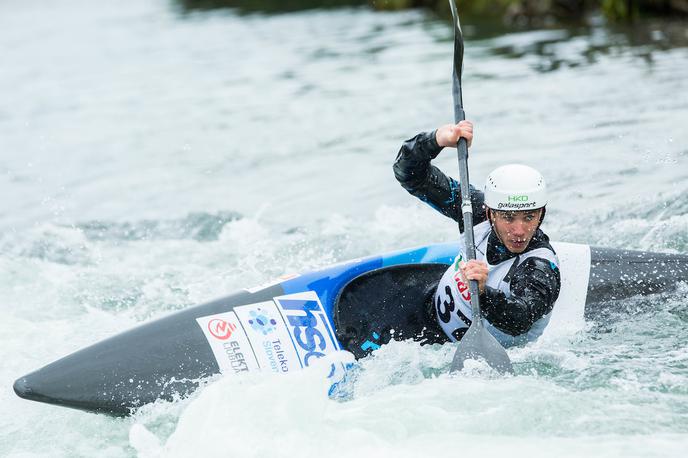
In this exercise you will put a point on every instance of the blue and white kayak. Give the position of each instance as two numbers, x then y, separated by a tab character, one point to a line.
287	324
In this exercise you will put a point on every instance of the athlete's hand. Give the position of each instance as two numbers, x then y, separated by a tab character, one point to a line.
475	270
449	134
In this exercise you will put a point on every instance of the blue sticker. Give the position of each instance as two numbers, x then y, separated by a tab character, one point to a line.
370	345
261	322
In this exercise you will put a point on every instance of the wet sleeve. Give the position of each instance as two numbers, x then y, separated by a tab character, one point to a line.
535	286
413	170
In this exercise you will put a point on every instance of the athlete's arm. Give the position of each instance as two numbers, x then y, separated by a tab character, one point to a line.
413	170
535	286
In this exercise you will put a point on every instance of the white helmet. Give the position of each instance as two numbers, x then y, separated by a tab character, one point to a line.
515	187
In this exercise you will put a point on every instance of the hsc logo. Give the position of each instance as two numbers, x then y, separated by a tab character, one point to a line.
308	325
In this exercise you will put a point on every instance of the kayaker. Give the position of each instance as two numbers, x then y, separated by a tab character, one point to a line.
516	267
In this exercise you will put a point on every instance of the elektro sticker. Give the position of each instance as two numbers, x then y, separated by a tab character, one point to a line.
308	325
221	329
268	334
228	341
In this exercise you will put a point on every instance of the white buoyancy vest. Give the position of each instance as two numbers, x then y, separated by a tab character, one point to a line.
452	298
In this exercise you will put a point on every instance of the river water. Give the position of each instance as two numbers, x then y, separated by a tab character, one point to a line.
154	156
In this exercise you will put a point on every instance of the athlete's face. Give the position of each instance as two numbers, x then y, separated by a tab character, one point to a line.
516	229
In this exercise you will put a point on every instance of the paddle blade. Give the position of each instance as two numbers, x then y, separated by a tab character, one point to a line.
478	343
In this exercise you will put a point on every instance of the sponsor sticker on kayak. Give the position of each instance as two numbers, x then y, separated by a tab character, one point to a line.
267	332
308	325
281	335
233	352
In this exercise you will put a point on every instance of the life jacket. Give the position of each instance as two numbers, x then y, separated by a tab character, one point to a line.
452	297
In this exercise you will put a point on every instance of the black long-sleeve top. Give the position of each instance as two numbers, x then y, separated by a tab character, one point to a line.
534	284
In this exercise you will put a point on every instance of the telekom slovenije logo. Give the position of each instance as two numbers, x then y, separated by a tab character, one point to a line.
261	322
221	329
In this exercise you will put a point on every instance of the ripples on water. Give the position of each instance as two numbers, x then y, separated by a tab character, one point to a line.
154	155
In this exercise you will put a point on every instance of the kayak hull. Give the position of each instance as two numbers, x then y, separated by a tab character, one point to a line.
283	326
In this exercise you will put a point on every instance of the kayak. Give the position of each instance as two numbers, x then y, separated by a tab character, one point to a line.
289	323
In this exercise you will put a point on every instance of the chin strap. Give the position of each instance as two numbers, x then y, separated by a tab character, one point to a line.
489	218
542	217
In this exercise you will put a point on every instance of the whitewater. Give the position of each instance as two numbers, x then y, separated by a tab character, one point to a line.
154	156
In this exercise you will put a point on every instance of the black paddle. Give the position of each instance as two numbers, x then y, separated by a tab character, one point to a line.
477	342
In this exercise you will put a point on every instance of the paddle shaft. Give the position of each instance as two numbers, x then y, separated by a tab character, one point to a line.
462	150
477	342
467	213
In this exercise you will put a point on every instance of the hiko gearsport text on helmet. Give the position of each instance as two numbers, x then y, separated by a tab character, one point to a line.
515	187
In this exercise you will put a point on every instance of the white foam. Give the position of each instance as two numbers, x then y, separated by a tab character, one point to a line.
406	416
